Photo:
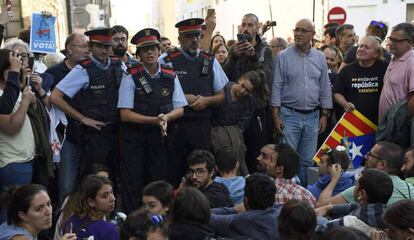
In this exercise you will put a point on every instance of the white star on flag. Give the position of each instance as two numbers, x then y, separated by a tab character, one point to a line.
355	150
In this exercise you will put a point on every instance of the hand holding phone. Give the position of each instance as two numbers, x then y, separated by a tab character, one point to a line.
241	37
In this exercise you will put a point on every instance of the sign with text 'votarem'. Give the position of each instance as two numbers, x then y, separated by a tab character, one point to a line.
42	34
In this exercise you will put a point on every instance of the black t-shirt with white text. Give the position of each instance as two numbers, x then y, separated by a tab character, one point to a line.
362	87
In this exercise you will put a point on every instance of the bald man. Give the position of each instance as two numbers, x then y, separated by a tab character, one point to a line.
277	44
301	92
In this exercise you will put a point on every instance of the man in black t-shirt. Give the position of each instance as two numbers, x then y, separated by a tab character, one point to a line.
359	84
200	175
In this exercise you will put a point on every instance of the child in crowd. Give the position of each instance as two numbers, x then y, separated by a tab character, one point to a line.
332	170
157	197
227	166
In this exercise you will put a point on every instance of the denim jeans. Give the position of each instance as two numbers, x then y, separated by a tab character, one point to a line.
301	132
14	174
68	168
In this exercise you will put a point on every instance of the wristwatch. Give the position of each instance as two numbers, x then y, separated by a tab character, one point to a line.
326	114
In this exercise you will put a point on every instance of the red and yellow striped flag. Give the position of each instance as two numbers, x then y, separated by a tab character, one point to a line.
352	124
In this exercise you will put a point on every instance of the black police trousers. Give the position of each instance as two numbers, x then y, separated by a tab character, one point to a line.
100	146
189	134
143	160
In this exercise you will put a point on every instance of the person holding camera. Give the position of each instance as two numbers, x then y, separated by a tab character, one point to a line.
17	143
251	53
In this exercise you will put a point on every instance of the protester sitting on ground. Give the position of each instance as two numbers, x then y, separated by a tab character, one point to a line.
384	156
297	221
282	163
399	220
227	165
190	214
408	166
221	52
94	203
233	118
200	175
29	213
334	178
345	233
372	192
157	197
143	225
256	218
69	203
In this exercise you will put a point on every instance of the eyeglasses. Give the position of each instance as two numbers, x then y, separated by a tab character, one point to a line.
369	154
23	55
80	46
301	30
395	40
121	39
378	24
199	172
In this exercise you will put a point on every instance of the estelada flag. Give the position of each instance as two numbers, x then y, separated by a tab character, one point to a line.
355	132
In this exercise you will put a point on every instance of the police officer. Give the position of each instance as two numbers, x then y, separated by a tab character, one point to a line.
203	80
94	84
151	98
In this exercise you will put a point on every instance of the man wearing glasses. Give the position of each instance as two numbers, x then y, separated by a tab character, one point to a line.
76	48
200	173
399	78
120	50
387	157
301	88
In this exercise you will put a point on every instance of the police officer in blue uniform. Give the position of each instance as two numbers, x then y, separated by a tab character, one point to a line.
151	98
93	84
203	80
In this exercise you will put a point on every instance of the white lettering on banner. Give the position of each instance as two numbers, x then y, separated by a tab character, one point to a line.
42	45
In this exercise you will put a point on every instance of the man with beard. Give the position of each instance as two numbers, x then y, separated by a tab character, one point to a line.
120	50
408	166
76	47
384	156
93	83
251	53
150	97
200	175
202	80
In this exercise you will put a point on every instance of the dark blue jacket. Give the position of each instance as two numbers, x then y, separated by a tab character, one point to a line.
256	224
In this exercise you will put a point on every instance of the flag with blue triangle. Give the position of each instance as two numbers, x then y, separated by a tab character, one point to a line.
355	132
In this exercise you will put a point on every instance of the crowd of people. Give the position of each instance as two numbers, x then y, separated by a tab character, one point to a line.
209	140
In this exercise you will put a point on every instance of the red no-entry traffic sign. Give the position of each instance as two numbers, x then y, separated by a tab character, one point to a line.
337	14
